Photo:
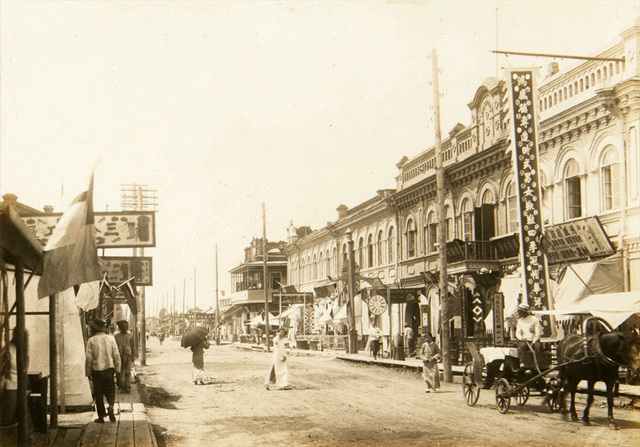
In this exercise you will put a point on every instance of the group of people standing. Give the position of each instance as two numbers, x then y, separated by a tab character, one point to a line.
109	361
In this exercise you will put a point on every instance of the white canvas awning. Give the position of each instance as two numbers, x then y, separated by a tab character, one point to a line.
291	312
614	308
342	314
589	278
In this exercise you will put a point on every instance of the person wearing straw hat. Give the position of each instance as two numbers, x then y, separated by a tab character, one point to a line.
528	332
102	363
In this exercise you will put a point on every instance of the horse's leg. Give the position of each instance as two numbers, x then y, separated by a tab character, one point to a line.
572	385
613	425
585	415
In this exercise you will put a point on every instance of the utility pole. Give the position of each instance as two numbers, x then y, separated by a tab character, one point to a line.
195	318
264	274
217	329
353	335
442	236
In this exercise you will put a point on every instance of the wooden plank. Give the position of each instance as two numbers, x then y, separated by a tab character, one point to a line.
143	435
71	437
125	433
108	435
91	435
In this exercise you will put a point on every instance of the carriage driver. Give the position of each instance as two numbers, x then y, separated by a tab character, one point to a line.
529	330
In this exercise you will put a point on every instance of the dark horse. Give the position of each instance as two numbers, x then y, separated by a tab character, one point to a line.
599	361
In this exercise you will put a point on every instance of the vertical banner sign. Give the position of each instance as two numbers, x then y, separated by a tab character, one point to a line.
498	319
521	87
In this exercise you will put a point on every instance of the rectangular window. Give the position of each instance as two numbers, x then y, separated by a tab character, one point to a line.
610	187
574	198
433	237
466	225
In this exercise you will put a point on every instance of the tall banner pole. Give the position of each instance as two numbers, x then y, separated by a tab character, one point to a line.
265	280
522	100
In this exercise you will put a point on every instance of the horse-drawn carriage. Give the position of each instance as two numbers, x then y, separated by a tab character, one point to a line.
502	369
594	356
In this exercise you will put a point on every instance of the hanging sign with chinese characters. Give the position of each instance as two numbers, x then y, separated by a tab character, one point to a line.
522	100
122	229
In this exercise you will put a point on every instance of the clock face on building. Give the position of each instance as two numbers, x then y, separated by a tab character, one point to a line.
377	304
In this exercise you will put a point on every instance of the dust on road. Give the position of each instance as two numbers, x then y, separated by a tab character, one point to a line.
336	403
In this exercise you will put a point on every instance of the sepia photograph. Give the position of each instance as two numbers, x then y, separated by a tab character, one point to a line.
261	223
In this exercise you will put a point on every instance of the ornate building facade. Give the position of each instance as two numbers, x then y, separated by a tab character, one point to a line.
589	150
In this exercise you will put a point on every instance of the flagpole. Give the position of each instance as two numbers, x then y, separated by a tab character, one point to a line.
264	273
217	329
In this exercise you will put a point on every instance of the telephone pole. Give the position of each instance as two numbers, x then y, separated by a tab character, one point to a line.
217	329
442	236
264	274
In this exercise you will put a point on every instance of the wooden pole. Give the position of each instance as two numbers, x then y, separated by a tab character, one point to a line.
21	357
264	274
353	334
53	362
217	329
442	236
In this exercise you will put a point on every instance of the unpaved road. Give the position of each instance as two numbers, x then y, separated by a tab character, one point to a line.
336	403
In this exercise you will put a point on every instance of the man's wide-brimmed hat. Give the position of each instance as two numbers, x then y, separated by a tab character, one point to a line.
98	324
524	307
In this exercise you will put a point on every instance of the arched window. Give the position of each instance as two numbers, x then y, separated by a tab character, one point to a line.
334	257
467	217
512	208
345	259
448	223
610	172
327	263
433	232
370	251
380	247
573	190
391	246
314	273
321	262
361	248
411	238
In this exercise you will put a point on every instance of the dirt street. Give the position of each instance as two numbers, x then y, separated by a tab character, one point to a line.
336	403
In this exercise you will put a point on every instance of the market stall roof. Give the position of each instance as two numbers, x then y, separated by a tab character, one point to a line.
273	320
615	308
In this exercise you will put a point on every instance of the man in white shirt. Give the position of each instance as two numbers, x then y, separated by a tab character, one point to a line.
528	332
409	340
103	361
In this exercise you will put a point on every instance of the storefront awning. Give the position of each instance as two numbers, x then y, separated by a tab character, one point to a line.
589	278
290	312
614	308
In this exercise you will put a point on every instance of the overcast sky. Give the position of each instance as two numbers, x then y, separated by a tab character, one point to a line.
221	106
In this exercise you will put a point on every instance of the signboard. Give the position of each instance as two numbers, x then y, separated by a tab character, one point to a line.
522	100
578	239
498	319
124	229
119	269
399	296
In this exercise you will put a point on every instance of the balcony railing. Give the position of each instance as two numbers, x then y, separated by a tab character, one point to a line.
458	250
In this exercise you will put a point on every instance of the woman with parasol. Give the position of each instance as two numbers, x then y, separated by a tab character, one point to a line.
196	338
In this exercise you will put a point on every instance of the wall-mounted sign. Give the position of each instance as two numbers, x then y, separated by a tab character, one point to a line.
404	295
498	319
578	239
124	229
522	100
119	269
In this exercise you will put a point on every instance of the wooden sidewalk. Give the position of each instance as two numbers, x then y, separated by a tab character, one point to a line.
131	429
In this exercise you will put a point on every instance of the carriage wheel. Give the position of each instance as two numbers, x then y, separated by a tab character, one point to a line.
522	396
556	399
503	396
470	389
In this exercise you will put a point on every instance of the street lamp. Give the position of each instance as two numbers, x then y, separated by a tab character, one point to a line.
353	335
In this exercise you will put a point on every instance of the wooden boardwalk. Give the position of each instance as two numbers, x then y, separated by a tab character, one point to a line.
131	429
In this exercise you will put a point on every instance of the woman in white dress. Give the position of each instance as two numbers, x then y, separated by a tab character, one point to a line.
279	371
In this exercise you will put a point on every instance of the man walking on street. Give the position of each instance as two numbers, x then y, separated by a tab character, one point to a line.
124	340
103	361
